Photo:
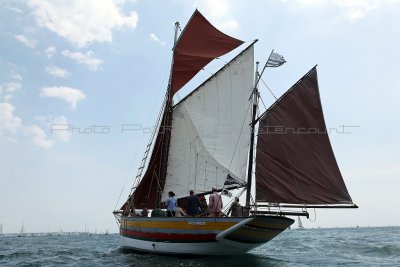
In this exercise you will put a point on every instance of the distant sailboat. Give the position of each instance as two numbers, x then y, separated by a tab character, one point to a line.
1	229
300	223
22	232
208	140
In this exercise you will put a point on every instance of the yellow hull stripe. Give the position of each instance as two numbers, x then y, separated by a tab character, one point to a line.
219	226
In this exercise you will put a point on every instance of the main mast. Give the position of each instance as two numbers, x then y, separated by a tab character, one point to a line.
254	97
165	128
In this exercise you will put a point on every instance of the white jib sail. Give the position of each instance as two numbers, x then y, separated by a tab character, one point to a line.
210	135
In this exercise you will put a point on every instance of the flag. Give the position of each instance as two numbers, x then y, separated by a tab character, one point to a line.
226	193
232	181
275	60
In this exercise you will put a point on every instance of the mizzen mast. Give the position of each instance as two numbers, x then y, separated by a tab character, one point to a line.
254	97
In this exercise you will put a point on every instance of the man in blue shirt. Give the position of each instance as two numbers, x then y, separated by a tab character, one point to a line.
171	204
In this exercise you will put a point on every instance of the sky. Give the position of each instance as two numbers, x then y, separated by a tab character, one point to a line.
100	68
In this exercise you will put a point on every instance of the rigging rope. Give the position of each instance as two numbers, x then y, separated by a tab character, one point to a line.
269	89
315	216
262	101
241	130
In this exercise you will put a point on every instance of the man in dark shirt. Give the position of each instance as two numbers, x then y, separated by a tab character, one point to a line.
193	204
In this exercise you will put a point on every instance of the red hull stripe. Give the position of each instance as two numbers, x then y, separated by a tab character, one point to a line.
169	237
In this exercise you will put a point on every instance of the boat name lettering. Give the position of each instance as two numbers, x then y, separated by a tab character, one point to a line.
197	223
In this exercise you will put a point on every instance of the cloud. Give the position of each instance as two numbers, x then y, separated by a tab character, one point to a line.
218	12
70	95
154	37
12	124
28	42
356	9
217	8
12	87
87	59
39	136
16	76
8	121
7	97
61	128
17	10
351	10
50	51
82	22
57	72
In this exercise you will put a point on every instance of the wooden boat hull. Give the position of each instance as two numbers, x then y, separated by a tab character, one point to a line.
200	235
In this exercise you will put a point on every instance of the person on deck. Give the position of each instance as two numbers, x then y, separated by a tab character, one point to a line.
171	204
204	206
179	212
193	205
235	208
215	203
145	212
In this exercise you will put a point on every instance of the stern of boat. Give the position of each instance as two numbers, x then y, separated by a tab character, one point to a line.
257	231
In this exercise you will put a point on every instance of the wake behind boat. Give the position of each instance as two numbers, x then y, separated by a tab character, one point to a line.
207	140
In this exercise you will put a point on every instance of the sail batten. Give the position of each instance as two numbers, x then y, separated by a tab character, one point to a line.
295	161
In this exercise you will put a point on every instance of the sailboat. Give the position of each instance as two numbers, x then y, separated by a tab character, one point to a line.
208	140
300	223
22	232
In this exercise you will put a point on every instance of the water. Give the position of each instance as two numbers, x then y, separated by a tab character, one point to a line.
309	247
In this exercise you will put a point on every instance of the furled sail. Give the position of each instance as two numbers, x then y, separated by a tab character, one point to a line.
210	130
295	161
199	43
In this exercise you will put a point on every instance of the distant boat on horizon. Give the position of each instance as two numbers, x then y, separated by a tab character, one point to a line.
22	232
300	223
60	232
49	232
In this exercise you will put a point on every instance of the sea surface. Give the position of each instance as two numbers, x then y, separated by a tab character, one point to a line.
378	246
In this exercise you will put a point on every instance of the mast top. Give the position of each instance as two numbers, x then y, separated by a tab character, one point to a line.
176	33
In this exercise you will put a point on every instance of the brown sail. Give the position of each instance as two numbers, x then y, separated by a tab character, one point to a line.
295	162
199	43
152	182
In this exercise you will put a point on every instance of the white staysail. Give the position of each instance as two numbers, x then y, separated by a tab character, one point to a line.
210	131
